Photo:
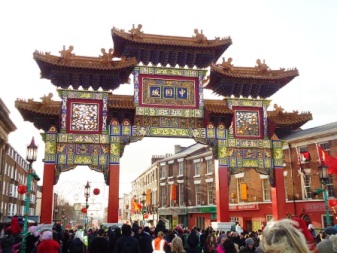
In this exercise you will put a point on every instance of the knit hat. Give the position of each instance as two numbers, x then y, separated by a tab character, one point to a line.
47	235
249	241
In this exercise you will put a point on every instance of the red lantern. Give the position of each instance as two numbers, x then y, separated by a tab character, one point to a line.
22	189
84	210
146	215
332	202
96	191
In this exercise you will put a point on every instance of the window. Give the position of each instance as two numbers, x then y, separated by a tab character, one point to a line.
325	222
329	186
234	219
11	190
163	171
10	209
181	194
200	222
173	198
210	193
304	155
170	170
326	147
266	189
163	195
197	167
181	168
269	217
306	186
210	166
197	194
238	187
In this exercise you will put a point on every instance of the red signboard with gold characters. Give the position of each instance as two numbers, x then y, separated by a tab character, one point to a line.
174	192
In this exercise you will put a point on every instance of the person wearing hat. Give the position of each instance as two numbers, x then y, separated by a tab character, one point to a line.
250	246
48	244
325	245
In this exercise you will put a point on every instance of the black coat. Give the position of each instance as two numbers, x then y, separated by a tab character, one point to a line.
99	245
127	244
145	242
193	241
77	246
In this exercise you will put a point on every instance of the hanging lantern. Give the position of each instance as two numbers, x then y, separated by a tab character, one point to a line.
332	202
96	191
22	189
146	216
84	210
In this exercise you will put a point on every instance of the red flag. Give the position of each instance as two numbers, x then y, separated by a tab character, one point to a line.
328	160
305	156
137	206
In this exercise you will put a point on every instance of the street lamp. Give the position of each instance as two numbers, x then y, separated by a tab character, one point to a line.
31	157
86	195
324	177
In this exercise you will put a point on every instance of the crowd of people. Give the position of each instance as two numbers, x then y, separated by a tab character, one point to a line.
282	236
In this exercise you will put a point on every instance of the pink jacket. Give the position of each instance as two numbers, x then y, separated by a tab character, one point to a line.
220	249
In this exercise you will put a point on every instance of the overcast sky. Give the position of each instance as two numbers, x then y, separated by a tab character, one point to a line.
285	33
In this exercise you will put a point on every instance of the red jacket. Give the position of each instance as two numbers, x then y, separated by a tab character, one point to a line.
15	227
48	246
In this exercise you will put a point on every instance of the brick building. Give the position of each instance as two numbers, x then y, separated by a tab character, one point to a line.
184	185
13	172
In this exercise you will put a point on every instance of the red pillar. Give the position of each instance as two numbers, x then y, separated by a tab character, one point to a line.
47	193
113	203
278	195
222	193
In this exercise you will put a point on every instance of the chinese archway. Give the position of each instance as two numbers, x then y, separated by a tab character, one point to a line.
91	125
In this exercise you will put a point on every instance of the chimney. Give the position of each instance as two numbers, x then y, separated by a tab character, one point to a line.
156	158
178	148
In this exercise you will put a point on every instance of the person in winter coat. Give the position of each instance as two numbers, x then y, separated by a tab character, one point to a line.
77	244
48	244
249	248
177	245
126	243
282	234
15	226
6	244
229	246
99	244
32	238
220	248
114	234
145	240
210	245
160	227
193	241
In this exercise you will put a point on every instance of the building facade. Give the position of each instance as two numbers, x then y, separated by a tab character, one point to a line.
13	172
184	185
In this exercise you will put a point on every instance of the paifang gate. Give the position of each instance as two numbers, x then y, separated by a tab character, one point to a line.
91	126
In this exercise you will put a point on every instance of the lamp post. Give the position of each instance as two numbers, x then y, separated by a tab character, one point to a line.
143	201
86	195
324	176
31	157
